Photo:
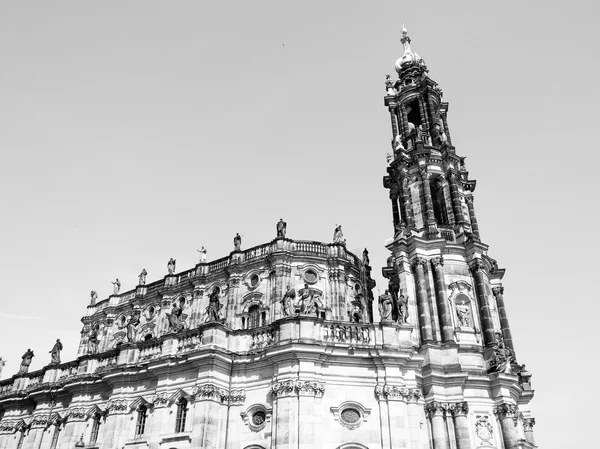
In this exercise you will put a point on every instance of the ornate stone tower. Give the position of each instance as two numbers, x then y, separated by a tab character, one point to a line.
441	275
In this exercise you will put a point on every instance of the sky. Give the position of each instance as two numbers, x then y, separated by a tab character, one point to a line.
133	132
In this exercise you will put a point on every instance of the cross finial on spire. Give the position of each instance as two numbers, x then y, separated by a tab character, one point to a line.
405	39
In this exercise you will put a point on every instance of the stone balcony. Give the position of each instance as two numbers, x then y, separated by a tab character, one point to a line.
291	331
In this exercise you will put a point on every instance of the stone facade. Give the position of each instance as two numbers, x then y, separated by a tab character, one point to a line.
276	346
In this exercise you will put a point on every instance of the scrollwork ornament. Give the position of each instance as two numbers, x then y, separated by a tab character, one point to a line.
210	392
160	400
484	429
285	388
437	262
477	265
436	408
505	410
459	408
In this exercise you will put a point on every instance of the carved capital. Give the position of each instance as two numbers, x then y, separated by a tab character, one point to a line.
498	291
298	387
437	262
419	261
452	174
469	199
505	410
528	424
397	393
459	409
436	409
209	392
477	266
424	173
235	397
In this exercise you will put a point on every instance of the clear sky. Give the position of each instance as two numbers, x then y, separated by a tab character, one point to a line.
132	132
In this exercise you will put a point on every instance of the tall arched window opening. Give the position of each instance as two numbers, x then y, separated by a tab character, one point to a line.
181	415
254	317
140	426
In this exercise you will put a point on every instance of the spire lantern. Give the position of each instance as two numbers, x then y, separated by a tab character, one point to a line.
410	58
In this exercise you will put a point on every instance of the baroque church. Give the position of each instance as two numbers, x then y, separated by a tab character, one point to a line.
276	346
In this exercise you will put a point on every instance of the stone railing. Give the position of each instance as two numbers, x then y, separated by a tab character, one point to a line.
352	334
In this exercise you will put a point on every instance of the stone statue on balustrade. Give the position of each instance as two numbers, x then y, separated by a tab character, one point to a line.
93	297
176	318
116	286
365	257
142	277
306	302
202	252
237	242
338	236
463	313
94	340
281	228
213	310
287	302
171	266
132	325
386	306
502	357
439	134
55	352
389	86
397	144
402	308
26	361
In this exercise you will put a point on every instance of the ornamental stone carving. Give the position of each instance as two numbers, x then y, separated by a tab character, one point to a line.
419	261
7	426
118	406
209	392
505	410
298	387
77	414
350	414
477	265
437	262
235	397
436	408
484	430
40	421
397	393
528	424
160	400
459	408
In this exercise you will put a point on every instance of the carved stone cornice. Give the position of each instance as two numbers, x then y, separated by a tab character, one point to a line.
211	392
419	261
528	424
397	393
235	397
437	262
505	410
477	265
459	408
298	387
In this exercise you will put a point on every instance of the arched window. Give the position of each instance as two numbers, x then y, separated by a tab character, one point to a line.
439	202
140	426
181	415
254	317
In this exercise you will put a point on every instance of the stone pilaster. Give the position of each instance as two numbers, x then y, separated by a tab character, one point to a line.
419	266
487	325
474	225
393	117
395	209
405	198
441	299
436	412
506	414
499	295
459	412
431	226
209	416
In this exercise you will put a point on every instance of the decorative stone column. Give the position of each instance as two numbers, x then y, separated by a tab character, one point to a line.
309	394
455	196
395	210
506	414
474	225
419	266
393	116
405	198
436	411
499	295
528	424
459	412
487	325
447	200
403	117
431	226
442	304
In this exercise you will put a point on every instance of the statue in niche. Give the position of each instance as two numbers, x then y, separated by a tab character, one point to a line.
402	308
281	228
338	236
356	312
287	302
439	134
176	318
55	352
305	300
202	252
132	324
142	277
171	266
502	358
93	340
463	312
237	242
26	361
93	297
386	306
116	286
214	306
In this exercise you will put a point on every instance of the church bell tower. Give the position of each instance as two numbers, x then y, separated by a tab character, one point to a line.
442	280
